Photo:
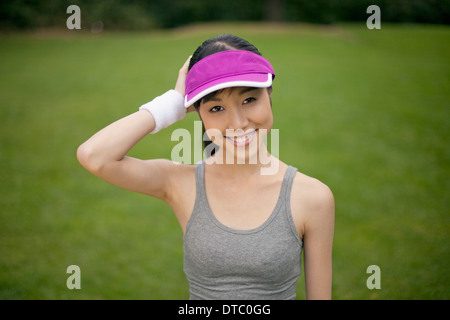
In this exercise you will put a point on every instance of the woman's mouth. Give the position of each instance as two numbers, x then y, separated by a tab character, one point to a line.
242	140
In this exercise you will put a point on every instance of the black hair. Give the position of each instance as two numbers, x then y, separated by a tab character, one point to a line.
220	43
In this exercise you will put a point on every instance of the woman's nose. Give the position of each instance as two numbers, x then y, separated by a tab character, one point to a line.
237	119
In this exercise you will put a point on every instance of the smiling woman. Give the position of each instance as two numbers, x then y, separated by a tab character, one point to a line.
242	116
213	102
244	231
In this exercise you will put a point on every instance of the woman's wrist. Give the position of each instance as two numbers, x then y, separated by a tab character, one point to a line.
166	109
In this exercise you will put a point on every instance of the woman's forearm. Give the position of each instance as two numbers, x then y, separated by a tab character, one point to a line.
113	142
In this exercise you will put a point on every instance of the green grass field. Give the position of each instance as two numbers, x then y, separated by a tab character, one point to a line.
365	111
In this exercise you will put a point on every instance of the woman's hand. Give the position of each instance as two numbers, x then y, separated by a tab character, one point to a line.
181	81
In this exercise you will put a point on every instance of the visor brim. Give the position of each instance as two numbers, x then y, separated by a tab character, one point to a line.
256	80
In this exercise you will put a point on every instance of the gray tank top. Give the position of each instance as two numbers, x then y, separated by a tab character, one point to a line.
224	263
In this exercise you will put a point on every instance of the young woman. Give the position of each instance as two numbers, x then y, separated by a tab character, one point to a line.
244	230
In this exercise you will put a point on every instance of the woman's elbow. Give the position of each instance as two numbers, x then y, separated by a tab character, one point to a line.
86	157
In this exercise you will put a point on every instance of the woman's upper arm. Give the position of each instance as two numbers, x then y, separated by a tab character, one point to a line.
151	177
318	231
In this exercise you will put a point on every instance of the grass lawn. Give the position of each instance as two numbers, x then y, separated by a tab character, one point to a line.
365	111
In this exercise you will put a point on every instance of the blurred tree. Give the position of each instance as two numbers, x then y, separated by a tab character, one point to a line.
274	10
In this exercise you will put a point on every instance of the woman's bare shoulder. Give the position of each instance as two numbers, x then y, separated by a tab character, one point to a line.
311	190
312	201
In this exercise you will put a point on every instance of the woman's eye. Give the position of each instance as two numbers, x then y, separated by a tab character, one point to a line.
248	100
215	109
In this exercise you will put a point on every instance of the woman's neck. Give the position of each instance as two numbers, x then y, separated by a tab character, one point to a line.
262	163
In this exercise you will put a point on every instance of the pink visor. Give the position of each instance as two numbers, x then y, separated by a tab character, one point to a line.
231	68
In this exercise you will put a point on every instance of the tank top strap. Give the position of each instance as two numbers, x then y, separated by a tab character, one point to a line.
200	178
287	183
286	193
201	198
200	195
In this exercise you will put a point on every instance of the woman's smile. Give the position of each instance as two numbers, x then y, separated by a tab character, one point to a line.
243	139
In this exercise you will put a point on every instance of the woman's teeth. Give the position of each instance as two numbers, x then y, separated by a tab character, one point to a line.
242	139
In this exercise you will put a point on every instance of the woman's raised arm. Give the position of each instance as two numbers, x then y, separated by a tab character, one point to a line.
104	154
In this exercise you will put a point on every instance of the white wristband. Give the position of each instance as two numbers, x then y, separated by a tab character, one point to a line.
166	109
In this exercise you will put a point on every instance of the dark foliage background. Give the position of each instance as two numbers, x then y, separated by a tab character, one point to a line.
150	14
